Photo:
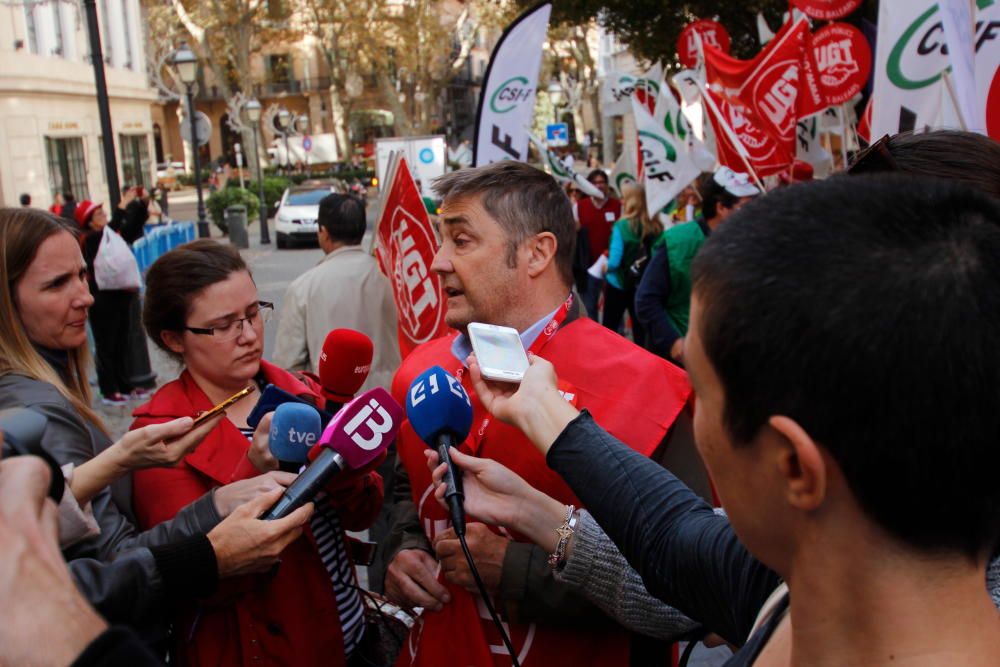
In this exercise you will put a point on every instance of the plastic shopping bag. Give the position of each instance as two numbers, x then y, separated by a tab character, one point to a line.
115	267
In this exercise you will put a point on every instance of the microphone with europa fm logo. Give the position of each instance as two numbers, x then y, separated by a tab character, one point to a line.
358	434
440	413
295	429
344	365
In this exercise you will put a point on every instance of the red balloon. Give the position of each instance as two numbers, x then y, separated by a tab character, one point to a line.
843	61
827	10
712	32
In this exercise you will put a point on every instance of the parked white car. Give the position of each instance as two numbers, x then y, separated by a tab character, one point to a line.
297	213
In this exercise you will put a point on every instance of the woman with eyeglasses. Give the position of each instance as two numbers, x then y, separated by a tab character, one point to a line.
202	308
129	575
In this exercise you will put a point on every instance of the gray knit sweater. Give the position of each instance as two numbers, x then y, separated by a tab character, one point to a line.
596	567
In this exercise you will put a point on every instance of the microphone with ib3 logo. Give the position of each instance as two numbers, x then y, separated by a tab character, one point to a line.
360	432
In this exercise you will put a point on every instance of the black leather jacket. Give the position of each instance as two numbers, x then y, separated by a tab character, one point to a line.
121	571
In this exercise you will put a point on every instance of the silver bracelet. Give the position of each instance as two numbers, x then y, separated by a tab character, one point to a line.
565	531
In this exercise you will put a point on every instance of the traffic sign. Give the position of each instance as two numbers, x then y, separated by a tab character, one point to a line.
202	128
557	134
307	143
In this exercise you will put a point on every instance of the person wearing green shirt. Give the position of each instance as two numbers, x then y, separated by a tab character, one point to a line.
663	298
631	237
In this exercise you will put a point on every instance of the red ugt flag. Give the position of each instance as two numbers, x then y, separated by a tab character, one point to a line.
778	86
404	246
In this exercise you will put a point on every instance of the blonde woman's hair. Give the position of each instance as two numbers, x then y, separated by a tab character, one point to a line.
22	232
634	210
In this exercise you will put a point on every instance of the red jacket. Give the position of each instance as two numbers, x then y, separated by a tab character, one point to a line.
289	617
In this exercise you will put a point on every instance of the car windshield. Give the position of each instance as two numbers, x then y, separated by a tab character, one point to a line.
306	197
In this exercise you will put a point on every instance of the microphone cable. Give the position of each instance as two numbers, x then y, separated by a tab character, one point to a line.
486	598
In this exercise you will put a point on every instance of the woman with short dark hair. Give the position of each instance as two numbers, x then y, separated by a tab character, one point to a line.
203	309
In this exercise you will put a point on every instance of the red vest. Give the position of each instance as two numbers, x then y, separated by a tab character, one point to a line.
615	380
597	223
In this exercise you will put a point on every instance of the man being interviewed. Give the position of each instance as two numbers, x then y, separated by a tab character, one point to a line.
506	258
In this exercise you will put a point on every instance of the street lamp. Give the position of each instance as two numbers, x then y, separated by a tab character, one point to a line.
285	121
187	70
253	115
555	92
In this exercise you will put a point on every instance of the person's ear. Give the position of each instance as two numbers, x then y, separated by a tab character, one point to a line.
541	251
800	463
173	341
321	234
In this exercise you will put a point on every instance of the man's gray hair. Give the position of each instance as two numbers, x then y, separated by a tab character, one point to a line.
523	200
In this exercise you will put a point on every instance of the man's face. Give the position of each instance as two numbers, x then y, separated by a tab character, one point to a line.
726	211
740	474
602	184
472	262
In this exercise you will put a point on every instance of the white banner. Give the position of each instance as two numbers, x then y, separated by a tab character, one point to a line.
617	89
910	92
625	169
561	172
988	66
507	100
809	149
666	160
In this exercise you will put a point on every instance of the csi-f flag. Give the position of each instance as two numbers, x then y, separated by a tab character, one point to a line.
625	169
507	100
561	172
667	167
916	48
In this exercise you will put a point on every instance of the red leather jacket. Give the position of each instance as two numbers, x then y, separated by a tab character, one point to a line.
288	617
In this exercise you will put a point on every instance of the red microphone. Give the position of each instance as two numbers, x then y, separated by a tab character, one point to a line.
344	364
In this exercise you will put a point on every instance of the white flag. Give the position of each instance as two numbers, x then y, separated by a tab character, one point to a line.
507	100
618	87
809	149
910	59
561	172
625	169
666	159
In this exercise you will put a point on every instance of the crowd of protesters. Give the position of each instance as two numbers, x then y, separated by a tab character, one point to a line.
790	448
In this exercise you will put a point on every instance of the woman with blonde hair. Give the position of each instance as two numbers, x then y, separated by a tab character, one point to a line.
44	303
632	240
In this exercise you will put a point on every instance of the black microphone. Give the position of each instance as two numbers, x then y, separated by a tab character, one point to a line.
440	413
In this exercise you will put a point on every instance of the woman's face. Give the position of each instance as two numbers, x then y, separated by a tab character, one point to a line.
53	297
224	363
99	219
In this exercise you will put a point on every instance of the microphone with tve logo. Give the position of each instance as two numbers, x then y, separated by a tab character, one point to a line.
440	413
361	431
295	429
344	365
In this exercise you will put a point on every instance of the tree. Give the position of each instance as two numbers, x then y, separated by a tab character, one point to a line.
649	28
426	45
342	29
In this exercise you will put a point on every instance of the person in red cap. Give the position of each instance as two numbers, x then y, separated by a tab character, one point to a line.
109	316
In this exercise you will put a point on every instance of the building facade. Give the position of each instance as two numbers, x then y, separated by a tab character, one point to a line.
49	124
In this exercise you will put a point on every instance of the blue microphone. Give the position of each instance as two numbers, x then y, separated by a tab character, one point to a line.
440	413
295	429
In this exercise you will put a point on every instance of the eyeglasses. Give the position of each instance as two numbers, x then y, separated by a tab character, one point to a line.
233	329
875	158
